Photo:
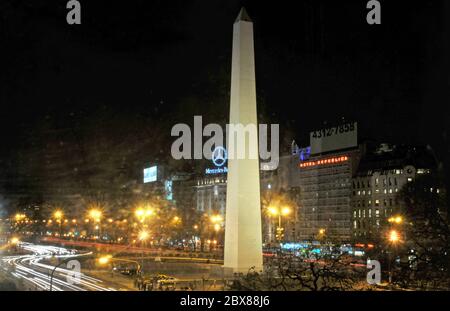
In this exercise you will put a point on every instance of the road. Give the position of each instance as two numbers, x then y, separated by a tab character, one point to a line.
36	275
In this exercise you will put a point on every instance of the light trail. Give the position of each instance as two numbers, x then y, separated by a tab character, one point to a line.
30	269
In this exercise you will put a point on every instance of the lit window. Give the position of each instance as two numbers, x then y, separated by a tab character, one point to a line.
377	202
370	213
409	179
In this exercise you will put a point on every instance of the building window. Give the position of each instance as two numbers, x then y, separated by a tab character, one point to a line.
376	182
354	214
370	213
377	202
377	213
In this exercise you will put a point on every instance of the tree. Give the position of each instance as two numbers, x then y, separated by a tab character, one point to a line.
426	254
311	272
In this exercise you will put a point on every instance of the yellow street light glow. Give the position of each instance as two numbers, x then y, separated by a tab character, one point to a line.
139	212
285	211
216	219
217	227
15	240
104	259
142	213
143	235
394	236
321	231
19	216
396	219
95	214
273	211
58	214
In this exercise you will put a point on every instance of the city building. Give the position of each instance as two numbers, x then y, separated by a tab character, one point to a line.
382	173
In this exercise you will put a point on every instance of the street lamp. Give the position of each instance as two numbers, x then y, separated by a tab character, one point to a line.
143	235
396	220
14	241
142	213
58	215
279	212
394	238
96	215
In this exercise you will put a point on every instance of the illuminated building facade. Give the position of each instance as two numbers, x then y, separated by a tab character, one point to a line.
381	175
326	185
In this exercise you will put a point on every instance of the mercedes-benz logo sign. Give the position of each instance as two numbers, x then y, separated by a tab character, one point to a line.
219	156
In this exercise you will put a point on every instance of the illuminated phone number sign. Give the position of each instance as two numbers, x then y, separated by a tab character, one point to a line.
334	138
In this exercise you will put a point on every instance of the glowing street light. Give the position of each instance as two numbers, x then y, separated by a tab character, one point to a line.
19	217
215	219
104	259
143	235
95	214
275	211
396	219
322	232
143	213
58	215
14	241
394	236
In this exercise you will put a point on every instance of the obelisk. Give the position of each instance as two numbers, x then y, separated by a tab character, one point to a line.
243	233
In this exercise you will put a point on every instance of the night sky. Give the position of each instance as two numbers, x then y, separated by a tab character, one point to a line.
132	69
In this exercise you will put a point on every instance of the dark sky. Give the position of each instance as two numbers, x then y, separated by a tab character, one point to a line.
136	63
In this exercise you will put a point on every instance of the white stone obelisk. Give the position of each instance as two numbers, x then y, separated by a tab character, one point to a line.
243	232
